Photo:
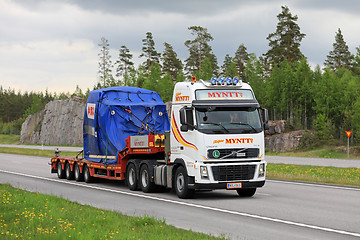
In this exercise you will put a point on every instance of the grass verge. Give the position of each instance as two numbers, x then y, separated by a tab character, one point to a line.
9	139
330	175
25	215
34	152
322	152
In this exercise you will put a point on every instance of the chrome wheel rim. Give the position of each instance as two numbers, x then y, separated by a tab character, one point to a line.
144	178
180	182
131	176
59	168
76	172
67	170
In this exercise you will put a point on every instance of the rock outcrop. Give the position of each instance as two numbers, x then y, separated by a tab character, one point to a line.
285	142
60	123
276	127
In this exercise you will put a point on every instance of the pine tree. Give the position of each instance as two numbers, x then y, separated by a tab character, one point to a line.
149	52
105	64
253	73
340	56
241	58
285	42
206	71
166	87
170	62
226	64
152	81
357	61
199	49
124	62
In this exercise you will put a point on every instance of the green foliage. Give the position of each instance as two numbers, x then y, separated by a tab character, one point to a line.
16	106
13	127
355	119
9	139
171	64
35	106
327	101
26	215
226	64
105	64
152	81
199	49
165	88
149	52
206	71
124	62
254	74
285	42
333	175
164	85
340	56
241	58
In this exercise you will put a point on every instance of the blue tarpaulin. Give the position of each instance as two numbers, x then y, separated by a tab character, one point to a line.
113	114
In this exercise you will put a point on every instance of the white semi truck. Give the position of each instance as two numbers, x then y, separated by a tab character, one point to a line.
214	140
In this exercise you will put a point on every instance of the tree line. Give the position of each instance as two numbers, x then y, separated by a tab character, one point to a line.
16	106
325	100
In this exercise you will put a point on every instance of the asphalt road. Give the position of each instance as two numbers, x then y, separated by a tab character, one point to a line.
270	159
279	210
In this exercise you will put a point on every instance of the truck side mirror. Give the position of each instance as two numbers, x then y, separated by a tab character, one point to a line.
186	119
266	119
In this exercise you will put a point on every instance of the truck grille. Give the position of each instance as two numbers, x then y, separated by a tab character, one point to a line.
233	153
233	172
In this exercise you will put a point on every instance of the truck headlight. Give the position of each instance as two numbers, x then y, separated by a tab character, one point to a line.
203	172
261	170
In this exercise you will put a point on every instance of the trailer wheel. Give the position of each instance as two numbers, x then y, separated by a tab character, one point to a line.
79	177
246	192
182	184
131	179
68	173
87	177
60	171
146	184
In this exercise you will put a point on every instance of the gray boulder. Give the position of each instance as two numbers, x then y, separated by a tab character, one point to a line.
60	123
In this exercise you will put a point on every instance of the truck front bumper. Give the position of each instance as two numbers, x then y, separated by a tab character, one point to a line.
222	185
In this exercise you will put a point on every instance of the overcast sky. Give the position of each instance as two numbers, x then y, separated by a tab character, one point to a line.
48	44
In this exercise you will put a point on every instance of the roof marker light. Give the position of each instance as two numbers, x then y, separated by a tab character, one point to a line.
228	80
236	80
193	79
213	80
221	80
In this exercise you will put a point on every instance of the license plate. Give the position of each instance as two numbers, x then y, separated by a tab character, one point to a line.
233	185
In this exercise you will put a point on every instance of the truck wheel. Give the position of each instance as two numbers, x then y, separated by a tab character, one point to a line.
69	174
182	184
131	179
247	192
60	171
146	184
79	177
87	177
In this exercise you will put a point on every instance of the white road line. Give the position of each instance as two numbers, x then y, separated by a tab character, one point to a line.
264	194
314	185
192	205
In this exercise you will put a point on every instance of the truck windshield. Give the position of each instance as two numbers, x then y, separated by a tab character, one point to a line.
228	120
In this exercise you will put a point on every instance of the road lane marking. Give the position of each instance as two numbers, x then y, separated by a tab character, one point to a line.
192	205
315	185
264	194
